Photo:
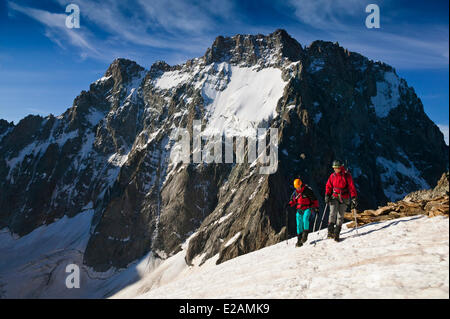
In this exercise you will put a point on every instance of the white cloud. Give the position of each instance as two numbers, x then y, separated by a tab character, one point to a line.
407	51
325	14
56	29
47	18
444	130
402	45
111	29
158	23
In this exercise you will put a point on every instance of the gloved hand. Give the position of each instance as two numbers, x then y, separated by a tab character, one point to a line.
354	203
327	199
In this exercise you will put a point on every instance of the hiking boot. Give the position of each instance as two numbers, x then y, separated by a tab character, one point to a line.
330	230
305	236
299	241
337	231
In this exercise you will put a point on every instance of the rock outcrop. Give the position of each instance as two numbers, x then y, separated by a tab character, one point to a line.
432	202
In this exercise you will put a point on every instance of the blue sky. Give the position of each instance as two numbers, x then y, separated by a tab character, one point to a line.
44	65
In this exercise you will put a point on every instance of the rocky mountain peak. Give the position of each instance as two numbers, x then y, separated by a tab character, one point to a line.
251	49
18	136
5	125
123	70
290	48
107	93
321	45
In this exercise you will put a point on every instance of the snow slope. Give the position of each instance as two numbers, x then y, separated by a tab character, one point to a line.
34	266
402	258
29	265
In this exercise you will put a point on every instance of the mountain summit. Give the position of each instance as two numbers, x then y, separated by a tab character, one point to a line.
248	49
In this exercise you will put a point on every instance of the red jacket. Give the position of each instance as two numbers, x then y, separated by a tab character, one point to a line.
304	198
340	183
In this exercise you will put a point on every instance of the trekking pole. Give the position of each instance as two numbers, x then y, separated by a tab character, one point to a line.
315	220
323	217
287	225
356	222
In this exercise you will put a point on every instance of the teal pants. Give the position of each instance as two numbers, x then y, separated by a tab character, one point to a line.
303	220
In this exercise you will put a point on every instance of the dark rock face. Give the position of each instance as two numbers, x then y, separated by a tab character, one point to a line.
5	127
110	152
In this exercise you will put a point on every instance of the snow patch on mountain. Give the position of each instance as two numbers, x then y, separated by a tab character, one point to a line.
102	79
388	94
237	98
317	65
249	98
232	239
171	79
95	116
36	148
8	130
117	159
88	143
444	130
393	188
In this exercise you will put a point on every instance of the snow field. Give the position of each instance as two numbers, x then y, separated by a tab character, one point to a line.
402	258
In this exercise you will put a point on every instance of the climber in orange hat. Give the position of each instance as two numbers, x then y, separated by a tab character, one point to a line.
305	201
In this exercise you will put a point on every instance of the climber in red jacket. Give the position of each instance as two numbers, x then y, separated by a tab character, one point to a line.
306	203
340	192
